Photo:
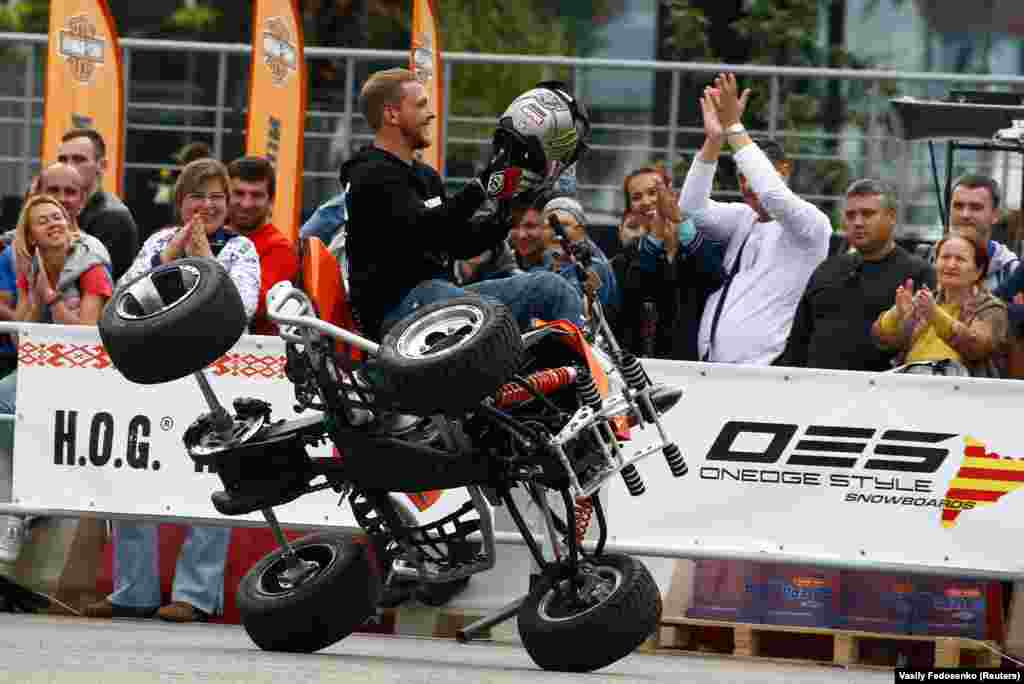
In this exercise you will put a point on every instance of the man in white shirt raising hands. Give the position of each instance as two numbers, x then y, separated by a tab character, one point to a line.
774	239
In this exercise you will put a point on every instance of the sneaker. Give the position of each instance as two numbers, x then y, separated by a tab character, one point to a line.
105	610
15	598
181	611
12	536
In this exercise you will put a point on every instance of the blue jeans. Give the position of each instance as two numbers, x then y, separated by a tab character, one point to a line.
198	577
325	222
541	294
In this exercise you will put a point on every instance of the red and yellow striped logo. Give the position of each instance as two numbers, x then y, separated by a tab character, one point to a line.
983	479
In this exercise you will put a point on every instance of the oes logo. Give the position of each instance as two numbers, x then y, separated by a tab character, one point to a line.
895	450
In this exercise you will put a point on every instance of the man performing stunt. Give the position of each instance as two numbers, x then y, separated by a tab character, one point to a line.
403	230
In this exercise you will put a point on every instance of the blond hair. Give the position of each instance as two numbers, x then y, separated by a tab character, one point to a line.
24	245
382	89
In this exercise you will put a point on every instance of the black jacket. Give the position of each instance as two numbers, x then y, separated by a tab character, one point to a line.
106	218
832	326
404	229
676	291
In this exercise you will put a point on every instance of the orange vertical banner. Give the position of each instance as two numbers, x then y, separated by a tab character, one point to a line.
425	62
277	104
84	81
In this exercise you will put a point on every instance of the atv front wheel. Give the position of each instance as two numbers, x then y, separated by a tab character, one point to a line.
172	321
334	592
604	615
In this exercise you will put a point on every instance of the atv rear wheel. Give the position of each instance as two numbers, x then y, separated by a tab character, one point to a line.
448	356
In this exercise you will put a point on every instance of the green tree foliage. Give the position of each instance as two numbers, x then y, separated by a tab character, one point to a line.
781	32
482	91
197	21
27	16
512	27
686	32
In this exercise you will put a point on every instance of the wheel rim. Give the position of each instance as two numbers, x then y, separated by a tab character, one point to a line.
157	292
269	582
564	603
210	442
440	332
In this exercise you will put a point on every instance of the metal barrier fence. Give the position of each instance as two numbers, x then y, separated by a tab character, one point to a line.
169	108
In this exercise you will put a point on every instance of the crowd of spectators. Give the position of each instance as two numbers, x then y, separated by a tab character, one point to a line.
748	282
74	243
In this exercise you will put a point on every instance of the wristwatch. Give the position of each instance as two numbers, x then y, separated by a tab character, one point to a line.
735	129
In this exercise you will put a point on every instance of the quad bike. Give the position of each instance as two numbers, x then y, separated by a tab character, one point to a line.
453	396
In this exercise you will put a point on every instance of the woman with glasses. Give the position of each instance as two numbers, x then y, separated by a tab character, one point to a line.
201	200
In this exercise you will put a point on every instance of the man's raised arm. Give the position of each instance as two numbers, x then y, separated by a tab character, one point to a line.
803	221
717	219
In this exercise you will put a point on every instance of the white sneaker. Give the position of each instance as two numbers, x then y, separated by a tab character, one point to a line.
12	535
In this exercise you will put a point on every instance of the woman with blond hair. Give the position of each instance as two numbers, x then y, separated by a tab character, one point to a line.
960	328
63	274
63	277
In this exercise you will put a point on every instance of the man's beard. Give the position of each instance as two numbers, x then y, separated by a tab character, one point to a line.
257	222
416	138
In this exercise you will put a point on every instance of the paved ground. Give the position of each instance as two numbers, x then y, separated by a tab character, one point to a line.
77	651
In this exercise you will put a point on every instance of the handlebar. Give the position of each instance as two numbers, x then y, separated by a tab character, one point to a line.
292	310
567	247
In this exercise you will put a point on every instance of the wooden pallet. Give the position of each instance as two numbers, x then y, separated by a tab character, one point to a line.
831	646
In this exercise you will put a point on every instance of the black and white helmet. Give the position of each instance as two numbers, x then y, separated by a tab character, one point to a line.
544	130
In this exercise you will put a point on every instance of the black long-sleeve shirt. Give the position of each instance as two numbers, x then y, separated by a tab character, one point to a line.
678	290
1007	291
107	219
832	327
404	229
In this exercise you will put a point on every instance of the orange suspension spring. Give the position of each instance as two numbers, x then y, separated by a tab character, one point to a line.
545	382
584	512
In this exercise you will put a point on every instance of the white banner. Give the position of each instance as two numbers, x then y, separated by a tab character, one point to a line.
88	440
842	468
839	467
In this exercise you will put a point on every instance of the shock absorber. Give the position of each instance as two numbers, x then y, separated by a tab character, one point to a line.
544	382
590	396
587	388
636	378
584	513
632	372
675	460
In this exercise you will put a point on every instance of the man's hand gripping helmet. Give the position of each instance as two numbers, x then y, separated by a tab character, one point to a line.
541	134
